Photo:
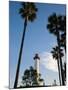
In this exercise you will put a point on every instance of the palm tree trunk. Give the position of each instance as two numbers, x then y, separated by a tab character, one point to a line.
65	48
61	67
20	55
59	72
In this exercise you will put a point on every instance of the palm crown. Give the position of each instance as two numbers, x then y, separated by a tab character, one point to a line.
28	11
55	53
55	23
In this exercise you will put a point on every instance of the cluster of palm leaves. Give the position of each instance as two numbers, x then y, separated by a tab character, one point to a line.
57	26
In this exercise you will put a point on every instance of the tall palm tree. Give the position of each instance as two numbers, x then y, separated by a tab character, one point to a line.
54	28
63	35
55	55
28	13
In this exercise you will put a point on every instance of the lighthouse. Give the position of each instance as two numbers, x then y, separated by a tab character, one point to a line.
36	58
37	62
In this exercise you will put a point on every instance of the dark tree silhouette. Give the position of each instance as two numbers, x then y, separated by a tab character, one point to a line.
63	35
55	55
26	76
64	71
54	27
30	77
28	13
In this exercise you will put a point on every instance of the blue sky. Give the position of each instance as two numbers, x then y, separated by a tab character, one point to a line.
37	39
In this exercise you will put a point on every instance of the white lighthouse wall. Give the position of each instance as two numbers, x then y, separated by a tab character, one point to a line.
37	63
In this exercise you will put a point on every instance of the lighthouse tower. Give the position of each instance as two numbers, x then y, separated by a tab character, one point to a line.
37	68
37	62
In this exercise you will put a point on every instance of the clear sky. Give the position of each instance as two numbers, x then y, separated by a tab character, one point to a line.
37	40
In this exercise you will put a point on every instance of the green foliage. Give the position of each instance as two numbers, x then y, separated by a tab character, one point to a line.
30	77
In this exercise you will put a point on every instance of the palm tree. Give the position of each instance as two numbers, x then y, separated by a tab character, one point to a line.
55	55
54	28
28	13
63	35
